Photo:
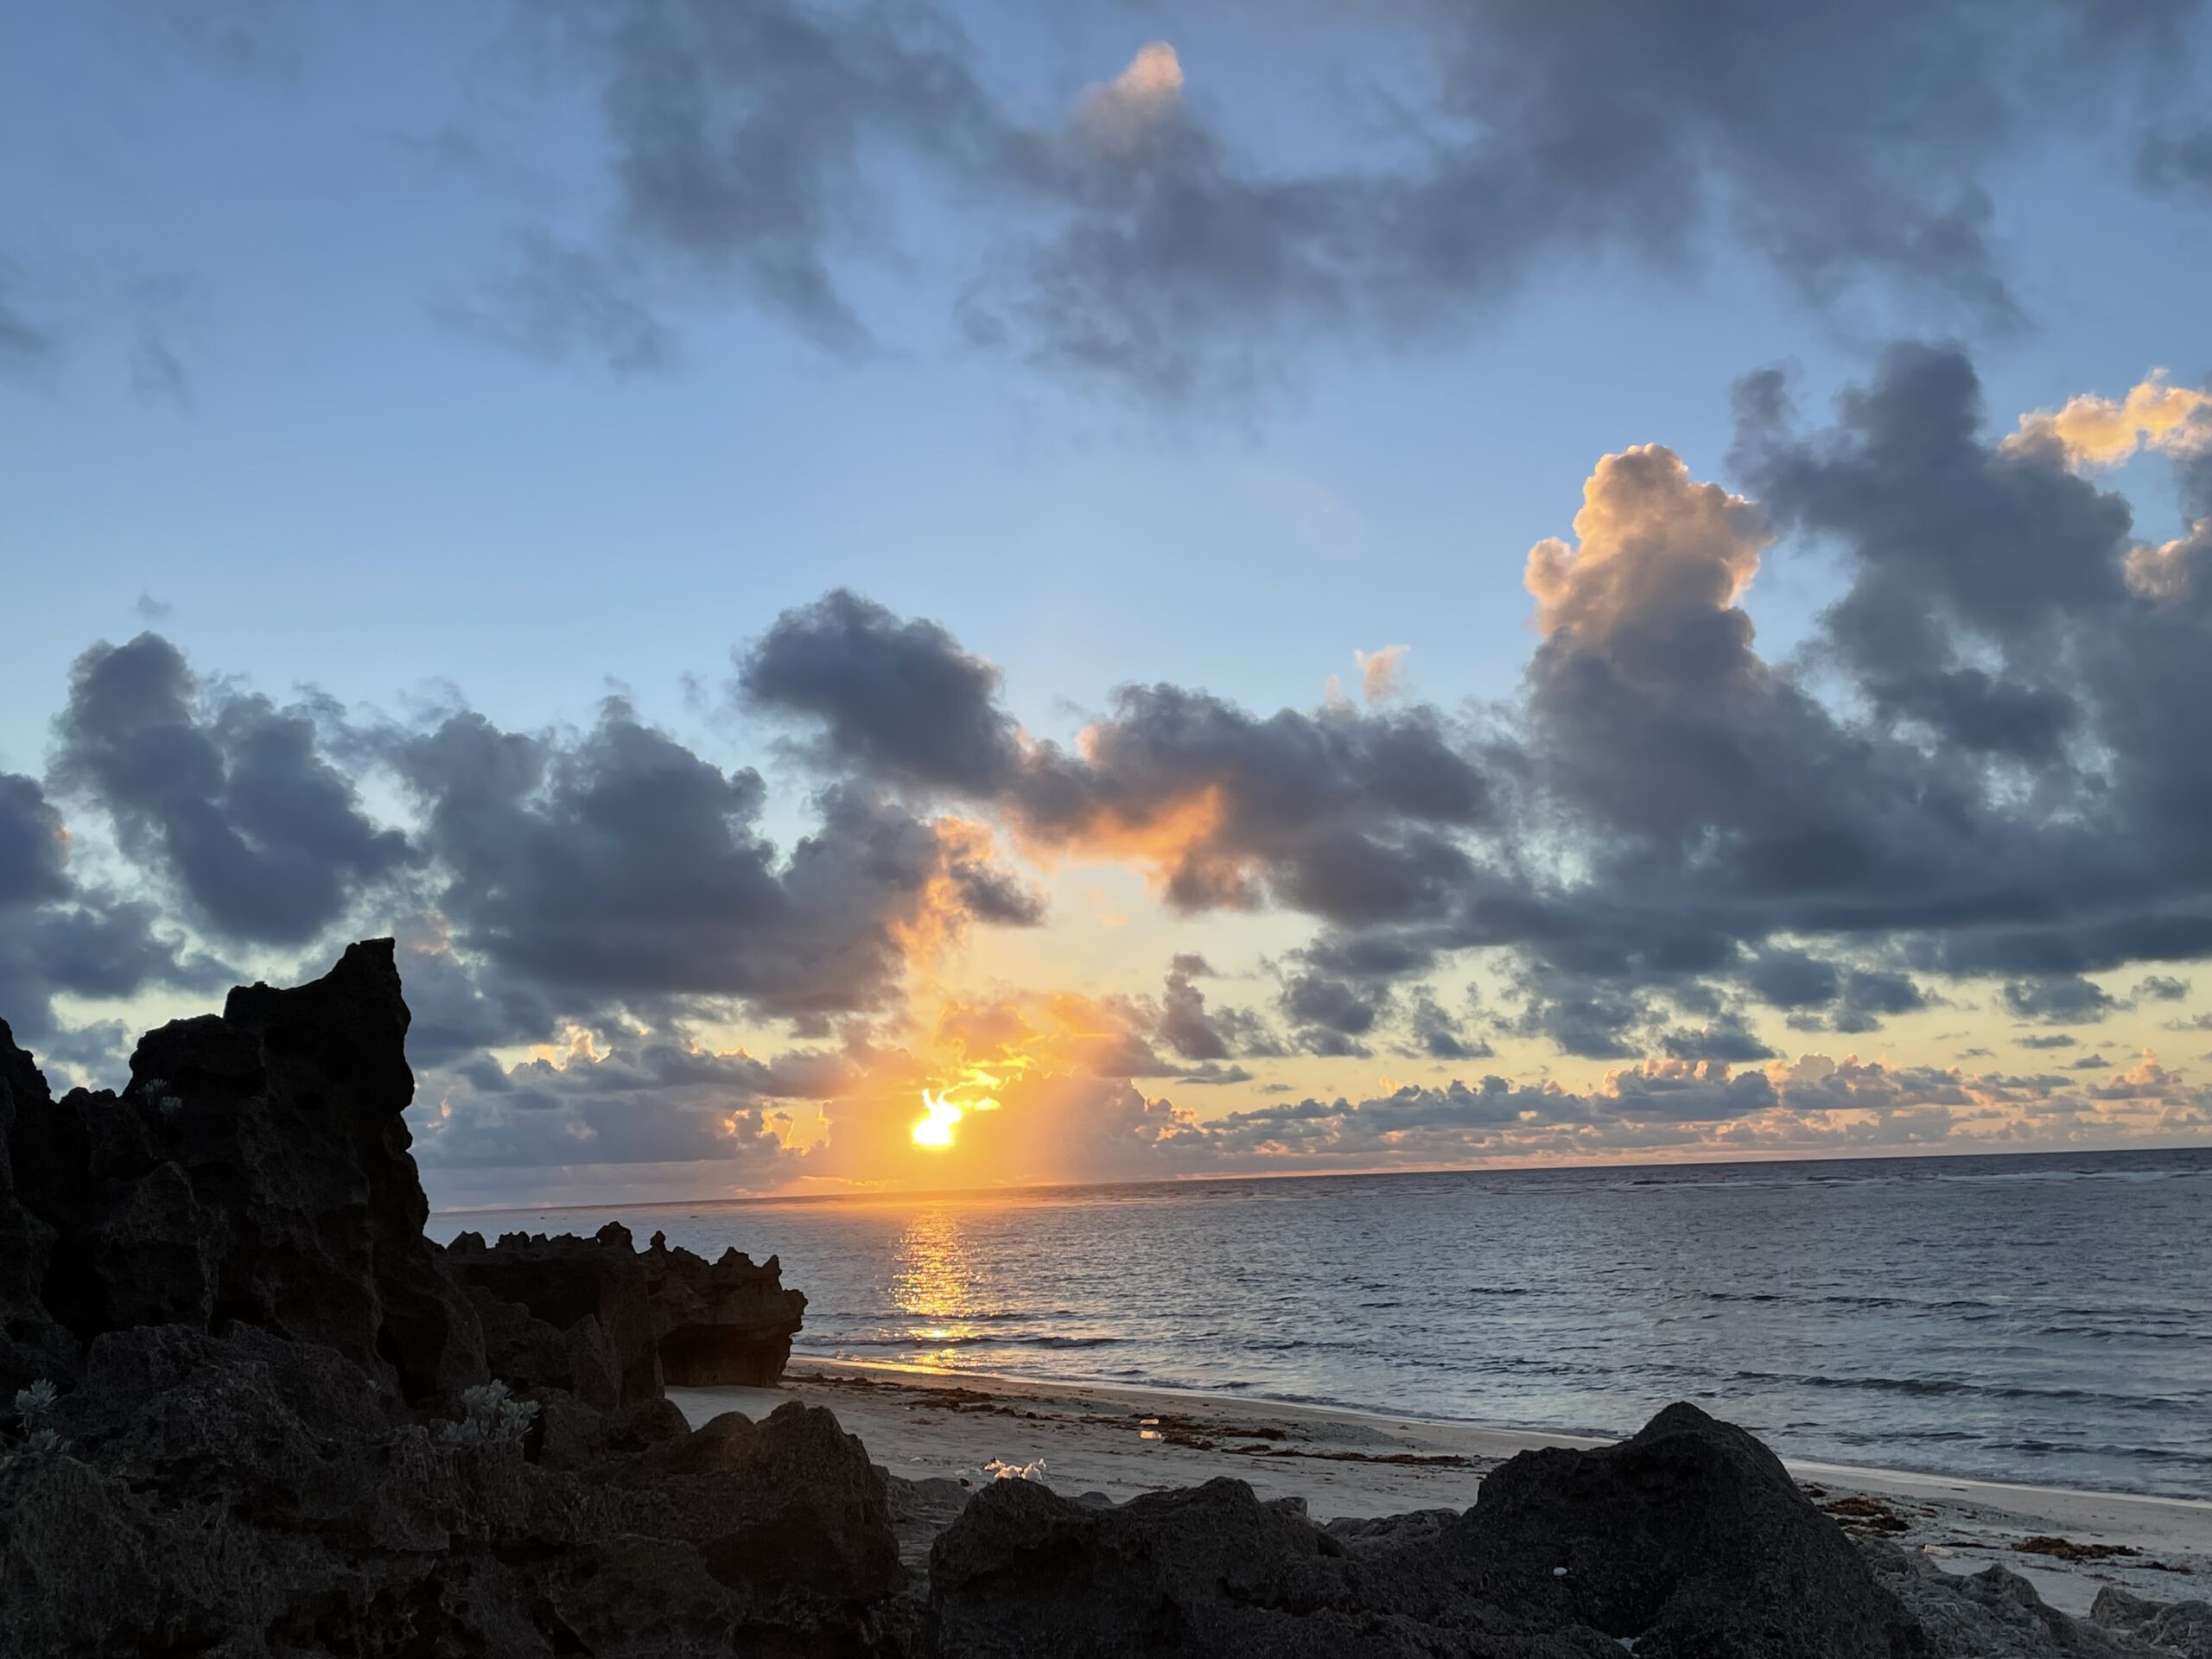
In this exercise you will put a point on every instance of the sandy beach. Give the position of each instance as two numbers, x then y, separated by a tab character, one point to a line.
929	1427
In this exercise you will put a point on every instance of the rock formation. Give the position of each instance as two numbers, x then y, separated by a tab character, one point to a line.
1689	1540
727	1321
612	1324
256	1170
255	1421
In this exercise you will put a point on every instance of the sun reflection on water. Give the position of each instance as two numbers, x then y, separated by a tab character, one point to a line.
934	1287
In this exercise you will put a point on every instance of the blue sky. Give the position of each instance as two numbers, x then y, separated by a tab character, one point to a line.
282	399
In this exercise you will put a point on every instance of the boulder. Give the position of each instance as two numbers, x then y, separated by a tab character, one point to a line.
660	1316
2182	1627
1213	1570
1992	1614
256	1172
1689	1538
727	1322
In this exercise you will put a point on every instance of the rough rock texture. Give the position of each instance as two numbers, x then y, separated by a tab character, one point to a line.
2183	1627
727	1322
665	1316
591	1324
1992	1614
254	1171
271	1442
1689	1539
252	1496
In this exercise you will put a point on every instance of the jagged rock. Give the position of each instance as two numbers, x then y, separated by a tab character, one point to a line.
31	1344
1689	1537
2182	1627
728	1322
1689	1540
664	1316
1213	1570
593	1333
252	1496
256	1172
1992	1614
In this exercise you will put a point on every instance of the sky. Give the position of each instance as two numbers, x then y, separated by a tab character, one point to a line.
925	594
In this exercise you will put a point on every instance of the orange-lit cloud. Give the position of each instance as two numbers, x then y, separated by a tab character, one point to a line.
1120	115
2094	431
1179	844
1651	545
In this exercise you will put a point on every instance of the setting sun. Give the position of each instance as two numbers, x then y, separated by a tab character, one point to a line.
933	1129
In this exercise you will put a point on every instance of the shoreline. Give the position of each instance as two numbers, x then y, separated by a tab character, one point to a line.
1519	1436
939	1426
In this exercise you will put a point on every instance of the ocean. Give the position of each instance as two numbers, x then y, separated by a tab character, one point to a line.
2042	1319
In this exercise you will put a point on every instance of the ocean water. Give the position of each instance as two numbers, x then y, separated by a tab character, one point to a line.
2045	1319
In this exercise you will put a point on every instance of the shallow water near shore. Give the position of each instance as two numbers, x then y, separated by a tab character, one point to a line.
2045	1319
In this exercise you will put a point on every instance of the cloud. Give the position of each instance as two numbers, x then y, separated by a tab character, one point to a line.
27	345
1381	673
34	844
60	938
755	149
2094	431
900	700
228	796
617	863
2059	999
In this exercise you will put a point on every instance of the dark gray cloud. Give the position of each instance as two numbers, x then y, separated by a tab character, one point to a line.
748	136
1332	1016
755	148
1183	1025
619	864
900	699
1436	1035
34	844
26	343
650	1101
2179	162
58	938
226	794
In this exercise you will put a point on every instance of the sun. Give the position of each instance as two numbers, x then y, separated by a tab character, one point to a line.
933	1130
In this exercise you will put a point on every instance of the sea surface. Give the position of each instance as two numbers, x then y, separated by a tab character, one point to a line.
2044	1318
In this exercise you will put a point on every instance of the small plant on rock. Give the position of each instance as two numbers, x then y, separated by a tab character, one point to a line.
490	1416
34	1406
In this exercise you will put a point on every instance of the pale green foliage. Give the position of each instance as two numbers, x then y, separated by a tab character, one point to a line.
490	1417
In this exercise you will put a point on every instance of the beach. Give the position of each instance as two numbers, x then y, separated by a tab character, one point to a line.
933	1427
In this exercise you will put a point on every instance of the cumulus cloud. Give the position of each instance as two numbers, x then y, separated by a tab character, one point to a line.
232	798
619	863
2094	431
899	698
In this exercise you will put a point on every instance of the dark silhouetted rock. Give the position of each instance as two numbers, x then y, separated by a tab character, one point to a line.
664	1316
1689	1540
593	1331
1211	1570
727	1322
250	1495
1689	1537
256	1172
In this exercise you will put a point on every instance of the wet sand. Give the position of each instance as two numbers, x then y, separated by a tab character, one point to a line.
1123	1441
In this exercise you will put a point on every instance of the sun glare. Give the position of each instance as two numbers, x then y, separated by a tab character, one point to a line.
933	1129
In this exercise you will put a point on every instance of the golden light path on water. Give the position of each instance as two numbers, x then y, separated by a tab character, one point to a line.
934	1286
